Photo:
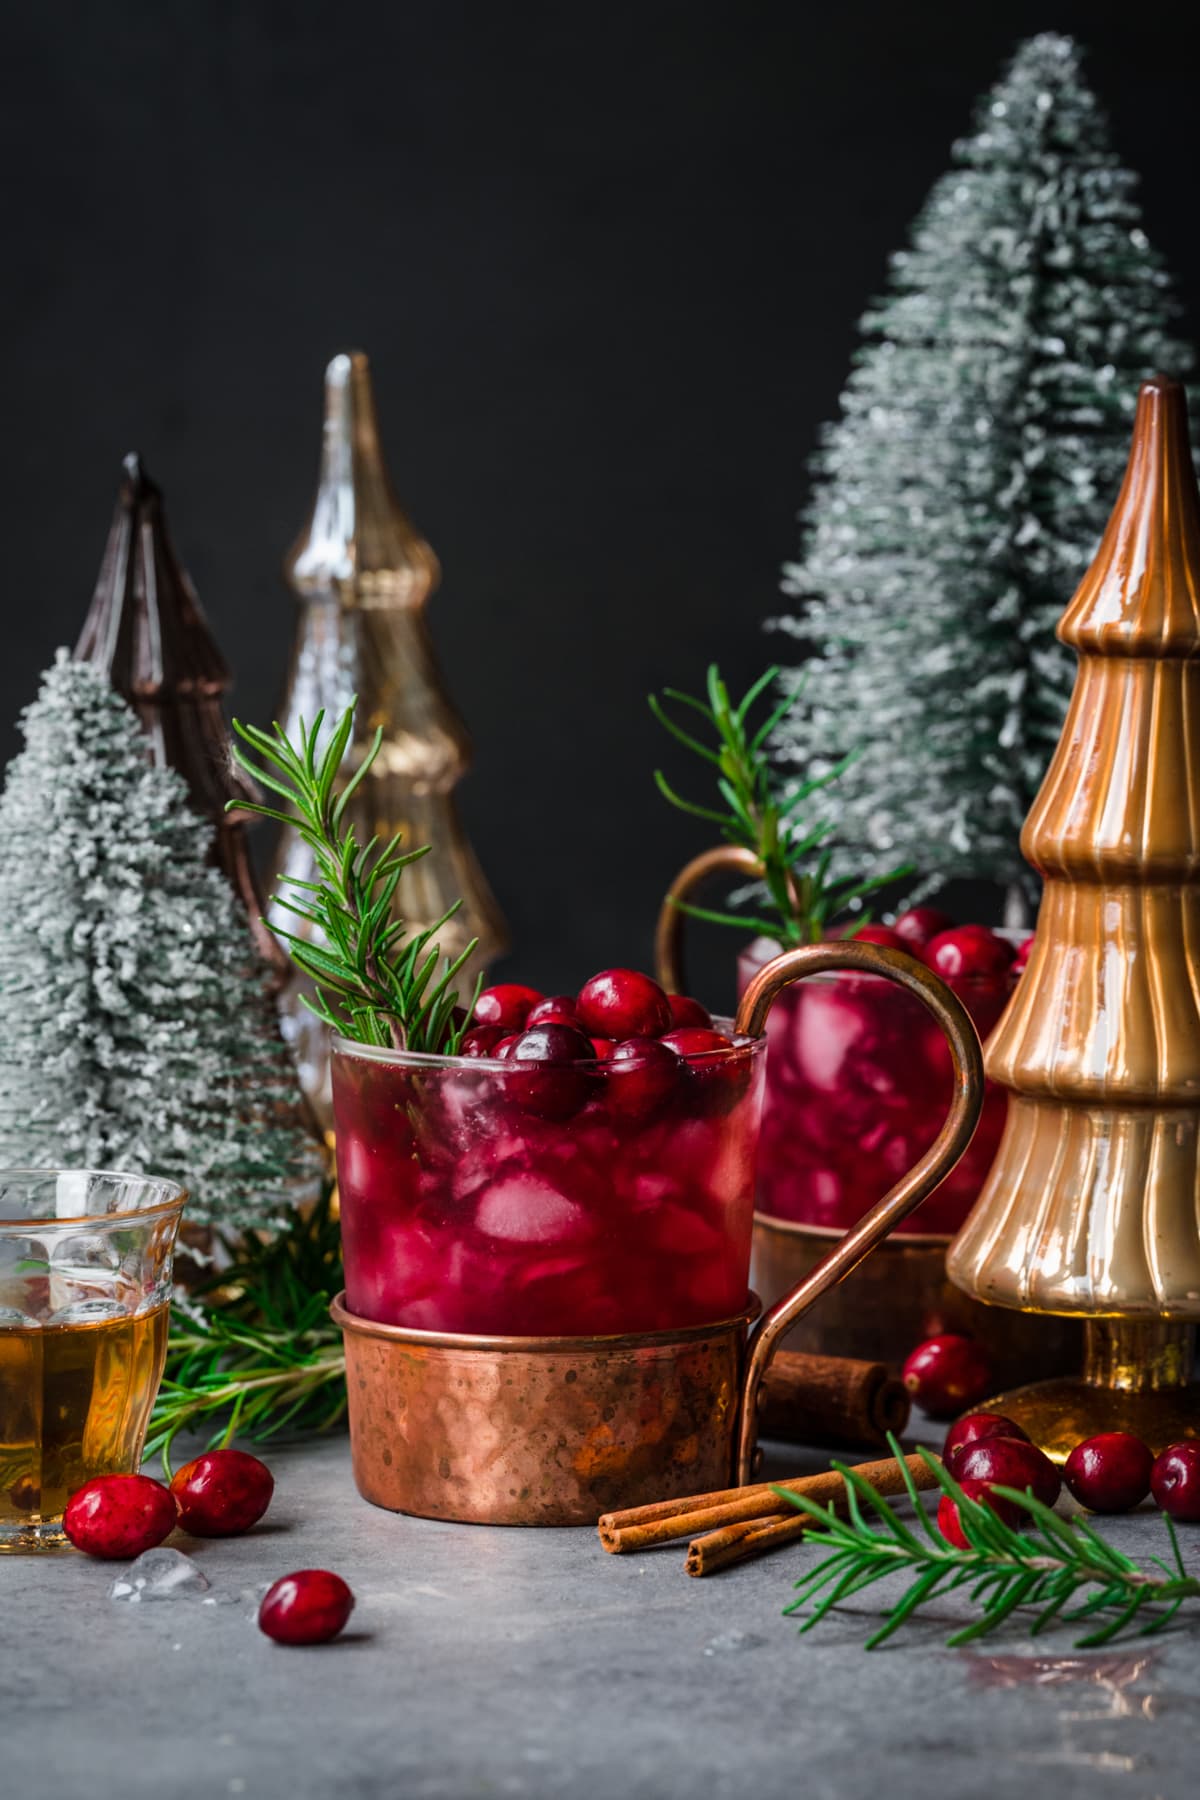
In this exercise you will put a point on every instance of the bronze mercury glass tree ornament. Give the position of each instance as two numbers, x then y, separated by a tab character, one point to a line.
363	574
1092	1207
146	629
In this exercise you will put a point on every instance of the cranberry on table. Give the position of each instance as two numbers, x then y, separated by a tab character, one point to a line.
118	1516
947	1374
508	1005
622	1003
1009	1462
1109	1473
552	1083
482	1040
557	1009
949	1523
920	923
686	1011
1175	1482
643	1075
968	950
971	1428
309	1607
222	1493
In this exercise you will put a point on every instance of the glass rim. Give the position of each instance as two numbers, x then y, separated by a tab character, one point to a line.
160	1208
430	1059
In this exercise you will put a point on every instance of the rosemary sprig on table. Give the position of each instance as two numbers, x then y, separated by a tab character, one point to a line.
1047	1565
374	981
796	857
254	1352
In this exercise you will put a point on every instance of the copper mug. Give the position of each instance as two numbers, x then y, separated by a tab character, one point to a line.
554	1430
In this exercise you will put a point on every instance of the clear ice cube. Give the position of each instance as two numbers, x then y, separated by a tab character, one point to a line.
161	1574
13	1319
87	1312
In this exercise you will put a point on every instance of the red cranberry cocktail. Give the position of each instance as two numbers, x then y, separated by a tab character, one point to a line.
584	1167
859	1079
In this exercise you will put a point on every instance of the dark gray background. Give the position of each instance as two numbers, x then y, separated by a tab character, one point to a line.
607	261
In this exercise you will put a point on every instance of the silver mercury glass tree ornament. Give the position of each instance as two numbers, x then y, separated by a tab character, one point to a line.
362	574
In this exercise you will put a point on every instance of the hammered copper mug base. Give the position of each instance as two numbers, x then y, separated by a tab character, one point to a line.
539	1431
899	1296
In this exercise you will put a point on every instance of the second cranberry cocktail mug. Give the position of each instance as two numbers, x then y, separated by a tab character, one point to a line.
547	1267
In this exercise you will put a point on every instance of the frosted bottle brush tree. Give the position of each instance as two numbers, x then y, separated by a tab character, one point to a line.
961	494
137	1029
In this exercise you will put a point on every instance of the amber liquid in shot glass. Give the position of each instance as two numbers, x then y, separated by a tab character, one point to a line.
85	1273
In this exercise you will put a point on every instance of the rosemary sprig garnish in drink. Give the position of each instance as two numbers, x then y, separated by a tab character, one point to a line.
1046	1565
375	982
795	856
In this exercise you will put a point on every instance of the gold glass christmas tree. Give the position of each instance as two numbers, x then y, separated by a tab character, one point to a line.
147	630
1092	1207
363	575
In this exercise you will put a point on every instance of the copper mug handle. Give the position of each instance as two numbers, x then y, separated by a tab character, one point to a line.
925	1175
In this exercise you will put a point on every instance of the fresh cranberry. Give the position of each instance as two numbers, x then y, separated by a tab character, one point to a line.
119	1515
971	1428
1024	950
968	950
559	1009
643	1074
1009	1462
552	1084
686	1011
483	1040
621	1003
506	1046
222	1493
508	1005
604	1048
878	934
1110	1472
717	1080
949	1523
920	923
1175	1482
309	1607
947	1374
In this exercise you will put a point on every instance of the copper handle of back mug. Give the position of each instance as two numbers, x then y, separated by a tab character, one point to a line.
925	1175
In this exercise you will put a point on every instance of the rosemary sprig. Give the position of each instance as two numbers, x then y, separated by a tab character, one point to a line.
795	855
1047	1565
254	1351
374	981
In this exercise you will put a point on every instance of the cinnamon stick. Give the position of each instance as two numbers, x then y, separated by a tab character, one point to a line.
830	1400
639	1527
754	1537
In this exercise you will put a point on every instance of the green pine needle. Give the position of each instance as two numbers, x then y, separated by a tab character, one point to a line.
254	1352
374	982
803	896
1047	1565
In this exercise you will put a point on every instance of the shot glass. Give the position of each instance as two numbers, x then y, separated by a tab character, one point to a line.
85	1289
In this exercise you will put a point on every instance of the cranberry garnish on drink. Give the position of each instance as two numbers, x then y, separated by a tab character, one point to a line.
584	1166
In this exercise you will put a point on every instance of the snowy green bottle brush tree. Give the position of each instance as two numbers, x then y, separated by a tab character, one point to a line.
960	496
137	1026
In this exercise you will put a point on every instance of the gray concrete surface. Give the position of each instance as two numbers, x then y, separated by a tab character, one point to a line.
489	1662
